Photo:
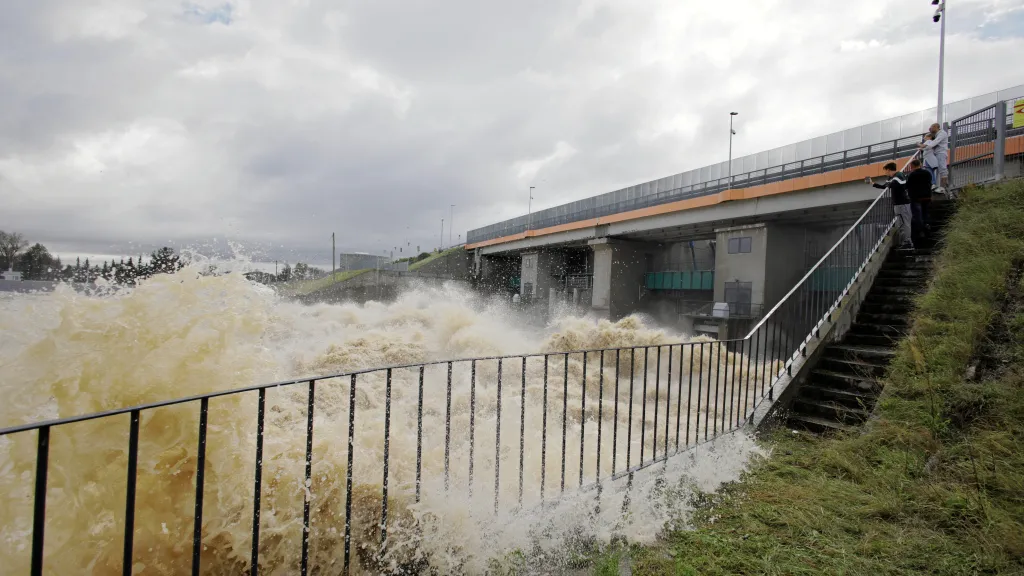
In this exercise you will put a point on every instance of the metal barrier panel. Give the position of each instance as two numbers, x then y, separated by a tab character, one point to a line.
976	146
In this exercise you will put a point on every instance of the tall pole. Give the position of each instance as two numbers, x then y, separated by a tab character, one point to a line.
442	236
529	209
451	223
731	133
941	14
334	259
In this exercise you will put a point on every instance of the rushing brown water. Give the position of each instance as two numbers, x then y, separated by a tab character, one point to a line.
63	354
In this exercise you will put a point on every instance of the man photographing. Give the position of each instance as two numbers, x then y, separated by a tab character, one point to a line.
897	184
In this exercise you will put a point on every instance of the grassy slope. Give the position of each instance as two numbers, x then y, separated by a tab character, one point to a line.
935	485
310	286
433	257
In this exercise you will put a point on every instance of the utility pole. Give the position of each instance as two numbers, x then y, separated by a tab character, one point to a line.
442	236
451	223
529	210
940	17
334	260
731	134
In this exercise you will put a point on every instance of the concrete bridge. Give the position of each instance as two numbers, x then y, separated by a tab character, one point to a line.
675	246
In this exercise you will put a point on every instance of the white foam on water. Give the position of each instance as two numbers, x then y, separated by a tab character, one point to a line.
65	354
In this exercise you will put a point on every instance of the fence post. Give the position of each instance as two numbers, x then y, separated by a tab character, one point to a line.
999	153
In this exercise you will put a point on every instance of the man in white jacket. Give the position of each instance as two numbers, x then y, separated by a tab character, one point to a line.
939	145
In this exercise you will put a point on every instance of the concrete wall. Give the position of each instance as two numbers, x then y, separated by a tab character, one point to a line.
784	261
749	267
496	273
619	269
676	256
540	269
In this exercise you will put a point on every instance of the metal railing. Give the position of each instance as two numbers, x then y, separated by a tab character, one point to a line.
864	155
580	281
514	431
977	145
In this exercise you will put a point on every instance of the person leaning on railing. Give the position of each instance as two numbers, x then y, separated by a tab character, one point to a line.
897	185
939	144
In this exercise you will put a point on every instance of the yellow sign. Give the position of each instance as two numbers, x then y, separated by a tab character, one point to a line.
1018	113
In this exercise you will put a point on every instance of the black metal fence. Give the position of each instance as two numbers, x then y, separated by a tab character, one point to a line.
335	472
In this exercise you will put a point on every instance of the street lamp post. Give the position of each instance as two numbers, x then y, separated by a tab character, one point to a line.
940	17
442	236
731	134
451	223
529	209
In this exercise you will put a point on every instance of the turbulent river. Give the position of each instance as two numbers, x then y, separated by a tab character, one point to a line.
64	354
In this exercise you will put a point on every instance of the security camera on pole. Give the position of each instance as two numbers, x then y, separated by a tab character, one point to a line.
529	209
731	134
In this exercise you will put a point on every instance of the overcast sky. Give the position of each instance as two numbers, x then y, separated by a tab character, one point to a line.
148	122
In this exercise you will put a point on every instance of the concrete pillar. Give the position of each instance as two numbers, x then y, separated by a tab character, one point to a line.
618	275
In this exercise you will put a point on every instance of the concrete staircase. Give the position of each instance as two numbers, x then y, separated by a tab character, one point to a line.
844	385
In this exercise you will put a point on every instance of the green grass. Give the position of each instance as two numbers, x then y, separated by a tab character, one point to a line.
935	485
433	257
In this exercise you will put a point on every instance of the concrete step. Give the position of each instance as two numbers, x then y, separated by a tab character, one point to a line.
874	354
886	306
851	366
898	270
830	410
817	425
902	279
910	257
879	298
842	381
909	264
883	288
882	319
871	340
892	332
849	398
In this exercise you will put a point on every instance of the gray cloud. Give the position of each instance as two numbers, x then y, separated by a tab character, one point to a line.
127	123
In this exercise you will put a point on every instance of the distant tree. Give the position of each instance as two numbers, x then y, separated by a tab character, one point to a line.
286	274
165	261
11	244
36	263
260	277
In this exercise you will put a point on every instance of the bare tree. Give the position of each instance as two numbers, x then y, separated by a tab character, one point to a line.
11	244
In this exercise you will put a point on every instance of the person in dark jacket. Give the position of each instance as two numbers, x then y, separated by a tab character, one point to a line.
919	188
896	182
